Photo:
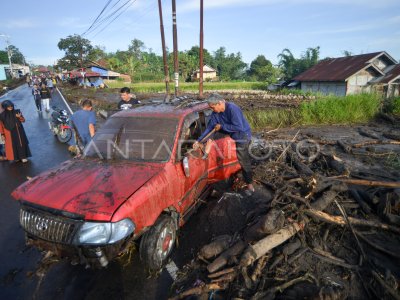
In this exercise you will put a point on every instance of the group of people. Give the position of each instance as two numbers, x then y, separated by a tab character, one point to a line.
14	144
42	91
84	120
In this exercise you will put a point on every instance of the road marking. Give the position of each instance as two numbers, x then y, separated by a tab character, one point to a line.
65	101
172	269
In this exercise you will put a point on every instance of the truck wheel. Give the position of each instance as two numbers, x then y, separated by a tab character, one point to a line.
158	242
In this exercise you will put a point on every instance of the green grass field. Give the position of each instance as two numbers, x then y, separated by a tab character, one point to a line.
155	87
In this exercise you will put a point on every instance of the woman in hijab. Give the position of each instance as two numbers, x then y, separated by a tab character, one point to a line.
11	120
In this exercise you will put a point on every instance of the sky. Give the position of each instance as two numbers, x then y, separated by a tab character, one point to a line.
251	27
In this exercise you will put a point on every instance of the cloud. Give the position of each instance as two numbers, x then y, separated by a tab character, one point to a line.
72	22
44	60
371	25
20	24
191	5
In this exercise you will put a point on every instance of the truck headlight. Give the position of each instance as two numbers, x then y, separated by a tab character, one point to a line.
93	233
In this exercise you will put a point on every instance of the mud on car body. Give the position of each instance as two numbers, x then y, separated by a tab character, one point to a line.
139	177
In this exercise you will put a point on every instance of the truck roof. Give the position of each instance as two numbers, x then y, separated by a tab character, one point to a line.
177	108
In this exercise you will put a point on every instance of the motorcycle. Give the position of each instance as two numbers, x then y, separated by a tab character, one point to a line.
59	125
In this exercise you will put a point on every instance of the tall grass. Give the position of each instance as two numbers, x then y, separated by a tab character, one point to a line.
159	87
340	110
326	110
259	119
394	106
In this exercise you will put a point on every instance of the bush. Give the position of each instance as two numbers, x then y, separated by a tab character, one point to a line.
344	110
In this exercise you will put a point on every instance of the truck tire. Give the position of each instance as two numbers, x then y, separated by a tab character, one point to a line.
158	242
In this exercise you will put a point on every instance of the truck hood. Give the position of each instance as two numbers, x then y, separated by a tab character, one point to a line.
90	188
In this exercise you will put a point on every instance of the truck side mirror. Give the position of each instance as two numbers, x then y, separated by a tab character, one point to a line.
185	165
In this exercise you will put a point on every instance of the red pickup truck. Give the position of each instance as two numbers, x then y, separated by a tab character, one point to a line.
139	177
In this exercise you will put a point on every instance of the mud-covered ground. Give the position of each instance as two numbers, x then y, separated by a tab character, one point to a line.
323	260
329	255
247	100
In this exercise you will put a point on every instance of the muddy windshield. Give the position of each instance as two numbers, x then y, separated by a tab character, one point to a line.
134	138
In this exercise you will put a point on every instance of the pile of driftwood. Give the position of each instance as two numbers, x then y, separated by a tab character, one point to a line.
329	232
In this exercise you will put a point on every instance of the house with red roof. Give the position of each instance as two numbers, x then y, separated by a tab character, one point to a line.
355	74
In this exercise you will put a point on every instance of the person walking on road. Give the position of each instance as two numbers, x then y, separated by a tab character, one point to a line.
37	97
128	100
46	96
16	142
28	80
228	118
84	122
2	142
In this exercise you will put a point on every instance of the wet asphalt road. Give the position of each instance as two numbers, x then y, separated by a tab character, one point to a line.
19	264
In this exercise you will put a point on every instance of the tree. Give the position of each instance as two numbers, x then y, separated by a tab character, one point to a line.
76	49
16	56
97	53
136	48
347	53
292	66
207	57
3	57
229	66
261	69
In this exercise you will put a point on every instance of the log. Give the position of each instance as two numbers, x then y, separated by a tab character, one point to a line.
223	259
377	247
365	207
269	223
254	252
338	220
392	136
216	247
388	184
368	134
270	294
346	148
388	288
259	268
199	290
359	145
333	260
387	117
297	255
226	278
220	273
302	168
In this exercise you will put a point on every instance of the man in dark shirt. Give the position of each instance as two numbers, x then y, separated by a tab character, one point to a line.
229	119
128	100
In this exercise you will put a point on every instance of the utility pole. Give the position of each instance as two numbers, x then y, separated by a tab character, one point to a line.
166	72
201	51
9	52
175	38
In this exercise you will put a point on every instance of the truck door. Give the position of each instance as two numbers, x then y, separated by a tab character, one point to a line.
194	183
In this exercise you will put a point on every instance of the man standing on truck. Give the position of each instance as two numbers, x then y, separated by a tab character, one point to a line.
128	100
228	118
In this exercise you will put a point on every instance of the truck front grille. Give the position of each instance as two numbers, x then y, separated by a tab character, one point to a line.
48	227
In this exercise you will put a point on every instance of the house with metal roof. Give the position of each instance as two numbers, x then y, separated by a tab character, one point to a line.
105	73
353	75
208	73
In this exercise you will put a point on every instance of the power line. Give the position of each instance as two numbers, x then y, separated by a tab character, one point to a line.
94	22
112	14
115	18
